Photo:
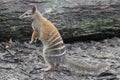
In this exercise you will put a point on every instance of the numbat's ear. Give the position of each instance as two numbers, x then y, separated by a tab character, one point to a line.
34	9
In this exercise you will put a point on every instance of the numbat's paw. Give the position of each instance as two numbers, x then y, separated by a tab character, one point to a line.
46	69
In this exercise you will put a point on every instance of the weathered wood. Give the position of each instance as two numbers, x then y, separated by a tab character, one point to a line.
72	22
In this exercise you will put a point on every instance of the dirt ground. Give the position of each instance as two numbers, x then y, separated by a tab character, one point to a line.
24	61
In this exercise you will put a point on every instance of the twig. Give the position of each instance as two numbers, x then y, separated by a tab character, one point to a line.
6	49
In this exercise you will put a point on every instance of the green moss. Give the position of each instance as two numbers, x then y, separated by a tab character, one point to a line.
88	26
95	24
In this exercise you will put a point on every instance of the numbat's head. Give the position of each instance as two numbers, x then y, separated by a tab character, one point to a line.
29	13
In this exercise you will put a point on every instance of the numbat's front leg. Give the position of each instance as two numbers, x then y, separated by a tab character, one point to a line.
34	36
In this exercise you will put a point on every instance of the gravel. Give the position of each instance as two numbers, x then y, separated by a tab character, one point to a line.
24	61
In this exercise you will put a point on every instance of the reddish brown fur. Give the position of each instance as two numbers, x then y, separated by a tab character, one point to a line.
45	27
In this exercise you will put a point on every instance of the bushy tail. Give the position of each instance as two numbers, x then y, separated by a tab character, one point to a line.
85	68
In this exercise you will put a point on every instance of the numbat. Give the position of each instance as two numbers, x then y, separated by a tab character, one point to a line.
54	51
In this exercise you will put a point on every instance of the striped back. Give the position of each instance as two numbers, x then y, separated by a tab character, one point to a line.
56	45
